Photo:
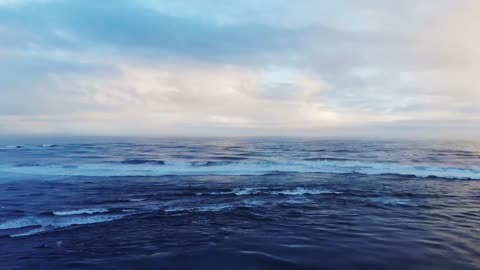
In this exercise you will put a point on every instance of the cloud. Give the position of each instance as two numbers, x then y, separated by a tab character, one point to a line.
210	67
167	96
128	27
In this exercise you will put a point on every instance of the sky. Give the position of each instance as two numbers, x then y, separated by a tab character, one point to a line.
375	68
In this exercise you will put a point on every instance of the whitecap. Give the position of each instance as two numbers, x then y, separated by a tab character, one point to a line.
246	191
391	201
20	223
297	200
87	211
46	223
303	191
245	168
214	208
30	232
236	191
254	202
46	145
205	208
137	200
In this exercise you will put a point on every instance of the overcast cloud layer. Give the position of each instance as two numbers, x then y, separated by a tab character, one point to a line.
271	67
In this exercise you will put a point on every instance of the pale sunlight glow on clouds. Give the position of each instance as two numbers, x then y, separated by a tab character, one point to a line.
274	67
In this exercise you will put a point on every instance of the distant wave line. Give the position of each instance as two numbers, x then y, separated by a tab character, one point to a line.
242	168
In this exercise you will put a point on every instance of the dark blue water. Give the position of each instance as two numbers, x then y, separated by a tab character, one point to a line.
265	203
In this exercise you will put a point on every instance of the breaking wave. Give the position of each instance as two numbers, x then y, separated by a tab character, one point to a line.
87	211
37	224
151	168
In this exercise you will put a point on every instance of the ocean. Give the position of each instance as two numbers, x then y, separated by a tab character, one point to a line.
238	203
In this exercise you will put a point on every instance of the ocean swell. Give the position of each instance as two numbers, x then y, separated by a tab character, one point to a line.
242	168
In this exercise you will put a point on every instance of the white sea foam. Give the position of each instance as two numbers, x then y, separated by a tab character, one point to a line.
304	191
136	200
265	190
392	201
246	191
45	223
213	208
244	168
87	211
30	232
254	202
293	191
20	223
297	200
204	208
236	191
48	145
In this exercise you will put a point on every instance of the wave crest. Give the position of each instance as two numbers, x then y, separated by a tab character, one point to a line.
150	168
87	211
